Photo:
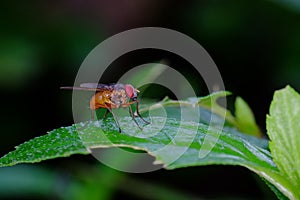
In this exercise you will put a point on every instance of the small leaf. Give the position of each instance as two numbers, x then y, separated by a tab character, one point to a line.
150	72
210	102
283	125
245	118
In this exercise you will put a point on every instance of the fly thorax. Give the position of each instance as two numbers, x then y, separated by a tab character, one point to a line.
119	97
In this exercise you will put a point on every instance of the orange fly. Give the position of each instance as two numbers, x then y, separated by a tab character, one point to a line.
108	96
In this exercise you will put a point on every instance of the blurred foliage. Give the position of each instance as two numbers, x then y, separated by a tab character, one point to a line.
255	44
18	62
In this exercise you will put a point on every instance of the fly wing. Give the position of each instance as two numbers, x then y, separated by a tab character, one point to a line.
98	87
78	88
92	87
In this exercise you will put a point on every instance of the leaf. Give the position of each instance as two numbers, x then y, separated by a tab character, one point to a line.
279	195
284	131
150	72
61	142
210	102
174	143
245	118
183	137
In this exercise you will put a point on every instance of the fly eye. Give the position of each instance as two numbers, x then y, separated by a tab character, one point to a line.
129	90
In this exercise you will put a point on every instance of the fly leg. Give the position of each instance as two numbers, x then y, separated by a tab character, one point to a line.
106	112
115	117
138	113
132	115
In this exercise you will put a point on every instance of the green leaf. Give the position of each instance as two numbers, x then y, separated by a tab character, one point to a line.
245	118
184	138
276	191
206	103
174	142
284	131
61	142
150	72
210	102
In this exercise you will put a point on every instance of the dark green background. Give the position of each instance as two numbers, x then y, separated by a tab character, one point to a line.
255	44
